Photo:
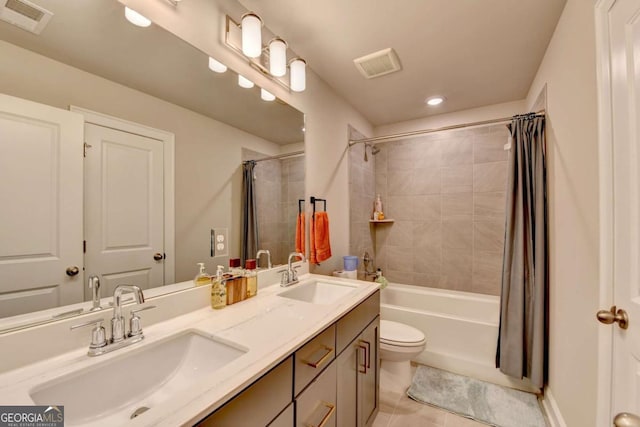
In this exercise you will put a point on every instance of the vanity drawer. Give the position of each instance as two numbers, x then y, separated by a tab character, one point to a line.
316	406
352	323
313	357
258	404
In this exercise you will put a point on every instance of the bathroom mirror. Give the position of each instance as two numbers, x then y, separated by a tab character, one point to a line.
90	57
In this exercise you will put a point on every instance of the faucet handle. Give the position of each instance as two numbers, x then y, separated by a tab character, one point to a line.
98	334
135	329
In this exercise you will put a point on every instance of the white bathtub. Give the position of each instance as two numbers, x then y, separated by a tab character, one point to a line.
461	329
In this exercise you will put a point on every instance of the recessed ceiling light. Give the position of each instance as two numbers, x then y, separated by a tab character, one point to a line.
435	100
135	18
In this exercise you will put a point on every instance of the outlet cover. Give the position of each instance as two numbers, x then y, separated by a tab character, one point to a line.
219	242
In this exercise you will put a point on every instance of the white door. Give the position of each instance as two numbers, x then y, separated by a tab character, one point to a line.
40	206
624	47
124	208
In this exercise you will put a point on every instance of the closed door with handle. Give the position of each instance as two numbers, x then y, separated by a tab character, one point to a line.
620	21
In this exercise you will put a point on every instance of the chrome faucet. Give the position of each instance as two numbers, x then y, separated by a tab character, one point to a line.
290	276
99	342
94	285
264	251
117	321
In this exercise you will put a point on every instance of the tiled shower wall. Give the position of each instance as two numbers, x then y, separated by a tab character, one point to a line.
446	193
361	195
279	185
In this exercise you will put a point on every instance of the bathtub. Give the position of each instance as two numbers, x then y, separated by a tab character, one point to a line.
461	329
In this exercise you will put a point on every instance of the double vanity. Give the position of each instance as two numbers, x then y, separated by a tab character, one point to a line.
296	356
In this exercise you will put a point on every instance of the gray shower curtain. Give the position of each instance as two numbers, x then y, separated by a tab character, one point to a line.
522	342
250	244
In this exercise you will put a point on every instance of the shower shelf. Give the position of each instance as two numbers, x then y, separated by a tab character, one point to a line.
381	221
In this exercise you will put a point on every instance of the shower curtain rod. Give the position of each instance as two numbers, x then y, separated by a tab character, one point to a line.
383	138
278	156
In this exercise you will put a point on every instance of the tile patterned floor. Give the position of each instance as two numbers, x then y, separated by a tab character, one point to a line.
397	410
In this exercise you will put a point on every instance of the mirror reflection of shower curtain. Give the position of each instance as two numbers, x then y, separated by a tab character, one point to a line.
249	245
522	343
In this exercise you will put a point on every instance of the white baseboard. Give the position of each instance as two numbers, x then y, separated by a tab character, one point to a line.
551	409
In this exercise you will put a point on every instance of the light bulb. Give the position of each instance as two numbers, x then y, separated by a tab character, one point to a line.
298	81
244	82
251	35
266	95
216	66
277	57
435	100
135	18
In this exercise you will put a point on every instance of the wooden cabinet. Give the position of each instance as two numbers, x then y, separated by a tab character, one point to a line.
330	381
260	403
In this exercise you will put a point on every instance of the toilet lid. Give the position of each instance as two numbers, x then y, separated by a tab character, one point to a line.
399	332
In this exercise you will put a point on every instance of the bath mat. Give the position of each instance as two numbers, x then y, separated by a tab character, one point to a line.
479	400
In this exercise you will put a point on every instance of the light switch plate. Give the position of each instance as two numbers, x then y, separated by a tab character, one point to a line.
219	242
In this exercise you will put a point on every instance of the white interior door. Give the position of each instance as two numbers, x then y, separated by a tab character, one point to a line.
624	47
40	206
124	208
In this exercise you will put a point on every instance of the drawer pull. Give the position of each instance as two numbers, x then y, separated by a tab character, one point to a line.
331	409
362	366
368	352
323	358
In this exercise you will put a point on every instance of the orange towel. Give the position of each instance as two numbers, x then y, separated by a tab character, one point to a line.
300	243
319	238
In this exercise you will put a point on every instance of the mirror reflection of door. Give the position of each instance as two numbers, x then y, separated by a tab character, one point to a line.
41	214
124	209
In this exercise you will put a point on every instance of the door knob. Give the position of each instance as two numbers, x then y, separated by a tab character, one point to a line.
612	315
158	256
72	271
625	419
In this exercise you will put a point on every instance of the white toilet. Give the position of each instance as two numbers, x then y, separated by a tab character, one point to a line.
399	343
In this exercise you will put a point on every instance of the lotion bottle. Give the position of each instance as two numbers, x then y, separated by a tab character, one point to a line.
219	290
202	278
252	277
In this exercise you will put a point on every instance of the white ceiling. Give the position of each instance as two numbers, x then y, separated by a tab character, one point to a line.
94	36
474	52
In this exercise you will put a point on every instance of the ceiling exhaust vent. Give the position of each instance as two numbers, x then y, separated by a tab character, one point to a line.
25	15
378	63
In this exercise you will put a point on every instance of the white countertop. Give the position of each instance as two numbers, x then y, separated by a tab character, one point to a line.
271	327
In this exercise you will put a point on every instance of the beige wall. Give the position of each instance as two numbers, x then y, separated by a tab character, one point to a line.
569	71
327	115
208	174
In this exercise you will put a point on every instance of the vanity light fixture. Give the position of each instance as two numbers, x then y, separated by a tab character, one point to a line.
278	57
435	100
251	35
266	95
135	18
216	66
245	38
244	82
298	76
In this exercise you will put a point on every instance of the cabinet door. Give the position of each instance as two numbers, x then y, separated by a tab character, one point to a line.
316	405
346	365
368	373
285	419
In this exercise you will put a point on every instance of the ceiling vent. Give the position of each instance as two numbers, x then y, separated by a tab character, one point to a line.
25	15
378	63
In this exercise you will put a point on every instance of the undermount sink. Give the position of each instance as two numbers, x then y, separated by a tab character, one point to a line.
319	292
121	388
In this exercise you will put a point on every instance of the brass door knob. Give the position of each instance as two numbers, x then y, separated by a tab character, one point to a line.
158	256
612	315
72	271
625	419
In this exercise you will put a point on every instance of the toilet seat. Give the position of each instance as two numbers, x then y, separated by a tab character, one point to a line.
400	335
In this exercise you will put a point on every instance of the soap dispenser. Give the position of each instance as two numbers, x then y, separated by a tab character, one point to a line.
219	290
202	278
